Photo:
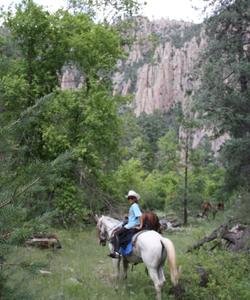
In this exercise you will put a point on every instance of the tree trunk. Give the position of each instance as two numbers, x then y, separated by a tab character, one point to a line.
185	202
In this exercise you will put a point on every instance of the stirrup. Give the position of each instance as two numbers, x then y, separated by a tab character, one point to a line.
114	255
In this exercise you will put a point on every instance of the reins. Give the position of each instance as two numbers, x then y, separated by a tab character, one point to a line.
109	231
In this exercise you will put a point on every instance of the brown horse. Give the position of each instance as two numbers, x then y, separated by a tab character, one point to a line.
208	207
150	221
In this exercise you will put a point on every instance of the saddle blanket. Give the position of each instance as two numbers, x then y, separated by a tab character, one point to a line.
127	250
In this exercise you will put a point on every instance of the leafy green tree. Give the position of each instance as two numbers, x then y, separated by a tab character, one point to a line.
168	154
154	126
63	138
94	49
160	190
128	176
40	46
206	177
133	143
84	122
160	186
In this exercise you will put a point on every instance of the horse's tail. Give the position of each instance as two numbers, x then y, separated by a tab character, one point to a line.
174	273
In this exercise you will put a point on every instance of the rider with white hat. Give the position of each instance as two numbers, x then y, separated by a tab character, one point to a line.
134	222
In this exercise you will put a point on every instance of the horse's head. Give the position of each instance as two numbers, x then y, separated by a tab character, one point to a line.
101	231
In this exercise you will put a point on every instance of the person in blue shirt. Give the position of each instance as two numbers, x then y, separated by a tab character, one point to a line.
133	224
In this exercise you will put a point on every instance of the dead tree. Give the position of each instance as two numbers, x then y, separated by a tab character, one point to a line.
235	239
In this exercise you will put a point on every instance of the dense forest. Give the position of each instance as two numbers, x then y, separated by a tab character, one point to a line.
68	154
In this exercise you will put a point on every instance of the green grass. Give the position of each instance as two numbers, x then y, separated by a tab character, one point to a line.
82	270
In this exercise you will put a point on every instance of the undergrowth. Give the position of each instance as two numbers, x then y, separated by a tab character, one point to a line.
82	270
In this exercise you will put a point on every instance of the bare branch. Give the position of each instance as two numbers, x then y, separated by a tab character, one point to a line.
15	194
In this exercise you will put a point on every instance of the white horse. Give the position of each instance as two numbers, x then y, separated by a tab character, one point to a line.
150	248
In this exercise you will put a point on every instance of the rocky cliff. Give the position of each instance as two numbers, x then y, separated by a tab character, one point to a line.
160	64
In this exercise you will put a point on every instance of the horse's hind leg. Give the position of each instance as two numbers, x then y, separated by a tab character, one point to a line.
161	275
158	285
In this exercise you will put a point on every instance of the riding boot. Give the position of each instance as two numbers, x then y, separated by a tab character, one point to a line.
116	247
116	243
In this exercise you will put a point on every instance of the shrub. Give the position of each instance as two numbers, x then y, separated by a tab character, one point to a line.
228	275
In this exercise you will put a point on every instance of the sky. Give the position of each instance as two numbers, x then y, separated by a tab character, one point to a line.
155	9
174	9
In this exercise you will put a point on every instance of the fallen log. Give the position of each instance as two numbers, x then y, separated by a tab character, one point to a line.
235	239
169	224
214	235
44	242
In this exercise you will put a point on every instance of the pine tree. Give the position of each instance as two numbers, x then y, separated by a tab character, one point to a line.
225	90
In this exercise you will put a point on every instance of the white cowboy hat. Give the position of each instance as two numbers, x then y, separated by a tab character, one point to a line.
133	194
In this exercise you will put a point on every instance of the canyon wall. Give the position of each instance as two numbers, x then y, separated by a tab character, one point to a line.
160	64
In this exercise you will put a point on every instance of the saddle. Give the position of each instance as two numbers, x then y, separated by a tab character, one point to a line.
150	221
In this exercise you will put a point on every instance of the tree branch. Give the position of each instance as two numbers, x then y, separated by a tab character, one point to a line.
215	234
19	193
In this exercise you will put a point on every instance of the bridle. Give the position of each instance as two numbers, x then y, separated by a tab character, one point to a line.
102	233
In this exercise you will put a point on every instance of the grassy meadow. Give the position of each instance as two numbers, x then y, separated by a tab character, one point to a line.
82	270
